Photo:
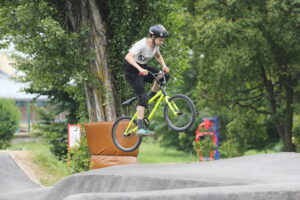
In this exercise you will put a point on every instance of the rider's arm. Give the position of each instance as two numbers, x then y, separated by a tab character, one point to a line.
161	61
130	59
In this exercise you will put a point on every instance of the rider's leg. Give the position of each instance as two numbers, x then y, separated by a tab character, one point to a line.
150	79
156	86
143	103
140	116
137	83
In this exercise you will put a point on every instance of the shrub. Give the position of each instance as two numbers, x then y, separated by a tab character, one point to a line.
79	156
9	121
229	148
55	134
204	146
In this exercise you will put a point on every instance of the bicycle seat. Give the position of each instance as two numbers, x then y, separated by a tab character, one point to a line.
129	101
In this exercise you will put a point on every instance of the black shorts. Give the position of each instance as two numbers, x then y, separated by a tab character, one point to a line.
137	81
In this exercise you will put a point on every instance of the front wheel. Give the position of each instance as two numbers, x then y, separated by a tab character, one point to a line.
125	142
182	114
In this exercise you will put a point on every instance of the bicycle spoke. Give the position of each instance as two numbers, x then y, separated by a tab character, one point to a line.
184	115
124	136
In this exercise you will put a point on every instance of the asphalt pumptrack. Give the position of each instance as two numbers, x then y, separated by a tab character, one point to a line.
264	176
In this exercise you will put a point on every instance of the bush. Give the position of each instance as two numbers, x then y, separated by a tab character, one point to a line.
55	134
9	121
79	156
229	148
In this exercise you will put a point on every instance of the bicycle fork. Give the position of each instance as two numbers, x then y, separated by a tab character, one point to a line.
173	106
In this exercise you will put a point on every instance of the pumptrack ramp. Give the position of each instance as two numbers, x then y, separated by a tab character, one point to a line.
259	177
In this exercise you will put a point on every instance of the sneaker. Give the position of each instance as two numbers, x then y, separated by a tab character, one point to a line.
144	132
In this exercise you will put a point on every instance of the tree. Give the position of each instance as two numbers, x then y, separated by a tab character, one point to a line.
76	47
251	57
92	14
55	60
73	35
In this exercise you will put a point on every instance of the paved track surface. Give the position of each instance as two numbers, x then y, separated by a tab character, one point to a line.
259	177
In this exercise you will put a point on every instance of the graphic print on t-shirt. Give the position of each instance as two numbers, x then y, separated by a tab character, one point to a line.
143	58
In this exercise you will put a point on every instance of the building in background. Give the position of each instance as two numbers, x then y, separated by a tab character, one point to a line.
10	88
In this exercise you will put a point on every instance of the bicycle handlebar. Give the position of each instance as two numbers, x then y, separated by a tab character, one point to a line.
155	76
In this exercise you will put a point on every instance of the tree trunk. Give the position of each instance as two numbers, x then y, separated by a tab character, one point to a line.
99	38
100	101
289	112
283	125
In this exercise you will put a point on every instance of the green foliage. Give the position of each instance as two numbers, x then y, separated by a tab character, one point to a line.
79	156
229	149
247	57
55	134
9	121
247	129
56	60
296	132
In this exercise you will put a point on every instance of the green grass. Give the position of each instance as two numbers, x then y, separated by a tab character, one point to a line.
278	147
53	169
253	152
151	152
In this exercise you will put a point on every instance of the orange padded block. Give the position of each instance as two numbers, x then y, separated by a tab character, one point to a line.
100	142
98	161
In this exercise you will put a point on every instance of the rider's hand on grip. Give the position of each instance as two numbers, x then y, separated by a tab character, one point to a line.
166	69
144	72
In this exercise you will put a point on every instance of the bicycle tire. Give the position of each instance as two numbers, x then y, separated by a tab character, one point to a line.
124	143
186	119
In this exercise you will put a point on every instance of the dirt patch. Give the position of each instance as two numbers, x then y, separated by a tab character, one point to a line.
24	160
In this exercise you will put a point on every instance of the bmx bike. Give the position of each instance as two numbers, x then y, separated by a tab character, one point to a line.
179	114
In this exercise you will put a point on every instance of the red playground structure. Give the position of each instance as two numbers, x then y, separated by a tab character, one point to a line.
209	126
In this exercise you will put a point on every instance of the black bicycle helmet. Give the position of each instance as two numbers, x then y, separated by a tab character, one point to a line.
158	30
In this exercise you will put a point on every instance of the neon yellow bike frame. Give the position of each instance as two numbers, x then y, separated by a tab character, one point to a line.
160	96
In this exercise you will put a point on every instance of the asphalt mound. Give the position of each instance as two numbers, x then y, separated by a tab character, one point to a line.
12	178
266	176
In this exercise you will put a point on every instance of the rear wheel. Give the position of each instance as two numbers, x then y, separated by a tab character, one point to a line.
124	142
185	113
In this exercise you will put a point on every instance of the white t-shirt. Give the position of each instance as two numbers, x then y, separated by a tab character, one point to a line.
142	52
